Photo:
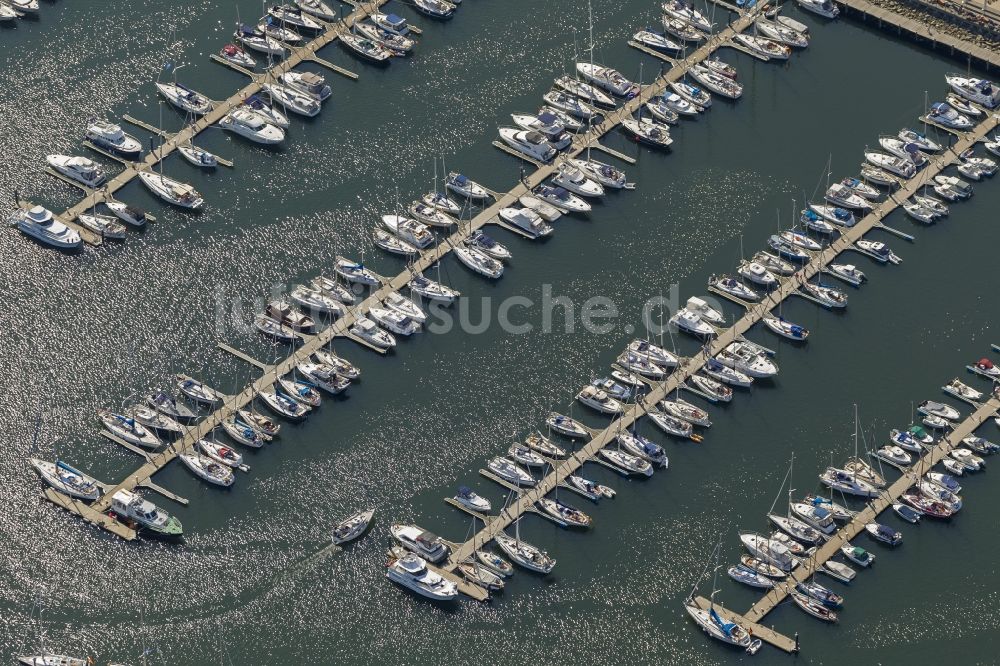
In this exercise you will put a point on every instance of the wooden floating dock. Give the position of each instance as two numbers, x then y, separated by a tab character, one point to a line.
243	356
653	52
90	514
769	636
186	134
755	312
871	512
886	18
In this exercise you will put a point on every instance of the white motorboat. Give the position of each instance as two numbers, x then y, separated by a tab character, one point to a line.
758	274
468	188
199	157
713	390
292	100
411	572
730	285
574	179
369	331
545	123
527	220
82	170
849	273
334	289
686	12
256	104
962	391
919	213
184	98
431	290
815	516
815	222
692	94
855	554
351	527
766	47
274	329
283	405
921	140
560	198
608	78
690	322
471	500
251	126
294	16
39	223
715	82
430	215
656	40
984	367
208	469
599	400
769	550
548	212
409	230
438	9
342	366
425	544
748	360
898	165
145	514
256	40
903	150
396	44
960	188
705	311
392	244
323	377
403	305
980	91
237	56
111	138
570	104
354	272
172	191
569	122
824	8
530	143
941	113
128	429
894	455
487	245
282	311
316	301
585	91
685	411
511	472
682	30
395	321
391	22
945	481
479	262
845	197
654	353
786	329
131	215
725	631
781	33
970	461
66	479
222	454
272	27
677	104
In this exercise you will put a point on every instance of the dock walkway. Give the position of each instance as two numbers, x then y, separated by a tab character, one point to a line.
687	367
871	512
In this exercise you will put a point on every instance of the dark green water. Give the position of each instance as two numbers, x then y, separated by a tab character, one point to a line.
252	583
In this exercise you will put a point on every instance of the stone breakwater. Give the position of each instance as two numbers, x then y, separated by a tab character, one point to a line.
971	22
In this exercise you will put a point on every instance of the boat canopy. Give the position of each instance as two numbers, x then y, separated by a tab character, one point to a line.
460	179
726	627
985	364
547	117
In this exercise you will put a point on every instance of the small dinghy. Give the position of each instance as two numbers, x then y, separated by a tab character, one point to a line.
351	528
469	499
207	469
